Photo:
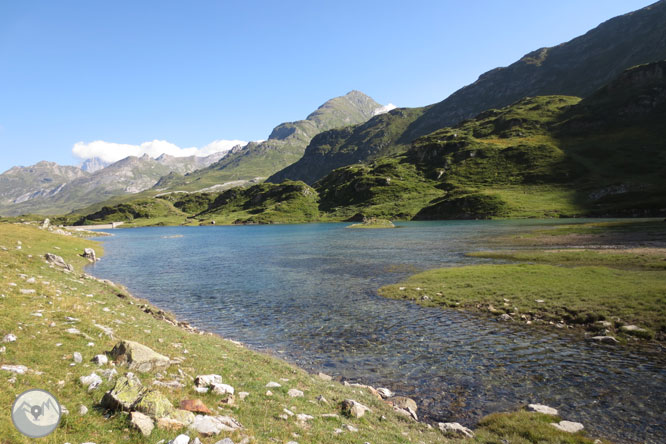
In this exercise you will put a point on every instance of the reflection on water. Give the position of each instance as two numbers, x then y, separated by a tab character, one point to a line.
308	293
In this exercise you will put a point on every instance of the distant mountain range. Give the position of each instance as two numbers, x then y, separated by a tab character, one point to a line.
48	188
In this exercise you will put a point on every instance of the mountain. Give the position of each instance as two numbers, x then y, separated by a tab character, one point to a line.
578	68
48	188
545	156
93	164
284	146
42	180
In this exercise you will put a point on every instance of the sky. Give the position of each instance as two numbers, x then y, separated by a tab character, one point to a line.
80	78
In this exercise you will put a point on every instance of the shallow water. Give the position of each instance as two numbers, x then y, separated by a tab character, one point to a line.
308	293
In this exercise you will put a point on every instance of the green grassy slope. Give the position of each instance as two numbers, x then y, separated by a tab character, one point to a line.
578	68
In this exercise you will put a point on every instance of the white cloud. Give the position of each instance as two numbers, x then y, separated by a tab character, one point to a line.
113	152
383	109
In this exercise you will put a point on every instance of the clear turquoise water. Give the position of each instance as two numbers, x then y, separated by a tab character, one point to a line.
308	294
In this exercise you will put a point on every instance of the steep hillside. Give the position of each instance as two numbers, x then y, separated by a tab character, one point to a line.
284	146
578	68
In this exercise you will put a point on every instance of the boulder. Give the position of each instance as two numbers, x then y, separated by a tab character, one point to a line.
154	404
213	425
353	408
384	392
455	430
89	254
176	420
46	223
568	426
207	380
142	423
58	261
195	405
124	395
540	408
139	357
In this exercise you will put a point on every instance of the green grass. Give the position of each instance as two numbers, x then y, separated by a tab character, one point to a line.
59	294
575	295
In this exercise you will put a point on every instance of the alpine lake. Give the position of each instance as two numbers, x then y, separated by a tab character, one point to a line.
308	293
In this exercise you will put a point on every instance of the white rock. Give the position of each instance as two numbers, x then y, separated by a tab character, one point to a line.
207	380
454	429
354	408
272	384
3	349
27	291
324	376
540	408
269	393
73	331
605	339
225	441
349	427
213	425
568	426
243	395
180	439
295	393
83	410
201	389
303	417
9	338
92	381
100	359
222	389
20	369
384	392
142	422
78	358
30	280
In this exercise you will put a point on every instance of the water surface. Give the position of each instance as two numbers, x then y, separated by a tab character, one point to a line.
308	293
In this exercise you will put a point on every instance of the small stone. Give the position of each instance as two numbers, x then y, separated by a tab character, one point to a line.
92	381
324	376
503	317
3	349
540	408
142	422
78	358
73	331
18	369
568	426
349	428
269	393
9	338
605	339
353	408
213	425
207	380
27	291
302	417
295	393
222	389
83	410
243	395
321	399
454	429
195	405
225	441
100	360
384	392
201	389
180	439
272	384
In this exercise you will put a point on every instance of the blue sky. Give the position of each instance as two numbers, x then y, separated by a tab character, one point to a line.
191	73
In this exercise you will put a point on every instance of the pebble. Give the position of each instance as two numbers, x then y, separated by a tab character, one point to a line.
78	358
83	410
272	384
9	338
295	393
269	393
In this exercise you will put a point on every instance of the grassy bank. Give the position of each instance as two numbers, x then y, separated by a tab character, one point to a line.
604	290
102	314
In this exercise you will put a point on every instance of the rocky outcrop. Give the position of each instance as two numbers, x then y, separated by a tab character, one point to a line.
58	261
